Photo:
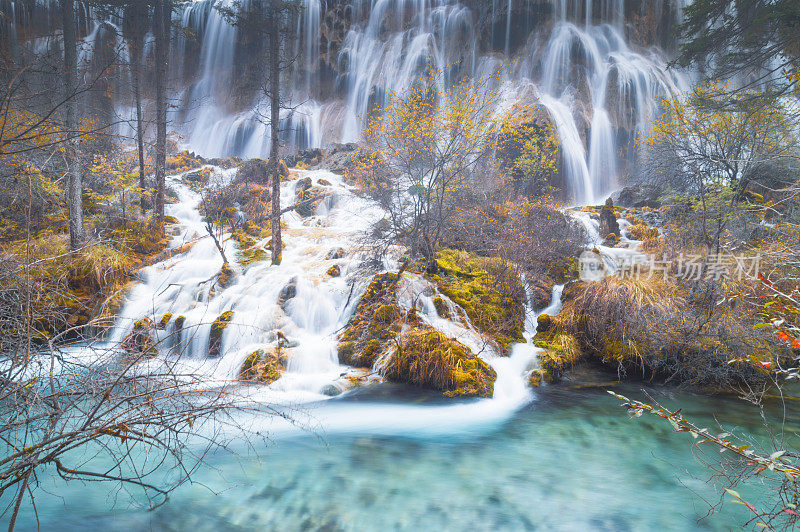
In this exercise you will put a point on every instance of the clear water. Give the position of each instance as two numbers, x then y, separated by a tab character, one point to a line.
389	459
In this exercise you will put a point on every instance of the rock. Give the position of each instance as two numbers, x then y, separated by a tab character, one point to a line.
608	221
217	329
336	253
141	341
638	196
253	171
334	271
314	196
287	292
264	366
324	182
330	390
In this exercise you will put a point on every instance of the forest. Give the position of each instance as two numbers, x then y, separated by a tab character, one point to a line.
400	264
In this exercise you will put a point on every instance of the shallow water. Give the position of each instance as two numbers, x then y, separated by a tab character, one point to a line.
387	458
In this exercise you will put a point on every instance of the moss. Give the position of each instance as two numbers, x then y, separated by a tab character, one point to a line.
225	275
217	329
543	322
488	290
334	271
641	231
535	378
179	321
429	359
165	319
562	269
263	366
376	321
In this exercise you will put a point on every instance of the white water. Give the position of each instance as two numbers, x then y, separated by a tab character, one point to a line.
311	321
589	79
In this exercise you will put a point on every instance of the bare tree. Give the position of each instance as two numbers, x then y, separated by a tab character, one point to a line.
74	173
163	13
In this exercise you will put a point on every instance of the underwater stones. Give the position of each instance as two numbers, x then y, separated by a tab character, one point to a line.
217	329
287	292
263	366
334	271
429	359
331	390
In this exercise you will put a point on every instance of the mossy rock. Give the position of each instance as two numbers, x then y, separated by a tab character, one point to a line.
263	366
334	271
441	307
376	321
141	342
488	290
217	329
165	319
543	323
225	276
429	359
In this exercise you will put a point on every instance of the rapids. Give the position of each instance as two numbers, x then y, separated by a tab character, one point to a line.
185	285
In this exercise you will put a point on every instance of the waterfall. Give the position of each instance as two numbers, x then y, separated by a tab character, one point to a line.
576	64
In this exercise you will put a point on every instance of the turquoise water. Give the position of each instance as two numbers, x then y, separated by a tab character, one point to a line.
570	460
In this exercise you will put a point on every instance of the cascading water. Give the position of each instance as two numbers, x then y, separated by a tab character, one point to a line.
571	57
583	72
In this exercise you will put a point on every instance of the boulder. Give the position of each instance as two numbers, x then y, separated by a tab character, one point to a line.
253	171
638	196
287	292
608	221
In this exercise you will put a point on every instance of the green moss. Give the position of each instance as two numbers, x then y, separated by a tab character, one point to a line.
488	290
429	359
252	240
375	322
217	329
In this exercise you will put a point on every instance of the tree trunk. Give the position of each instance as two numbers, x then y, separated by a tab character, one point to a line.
137	45
74	194
275	108
162	20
